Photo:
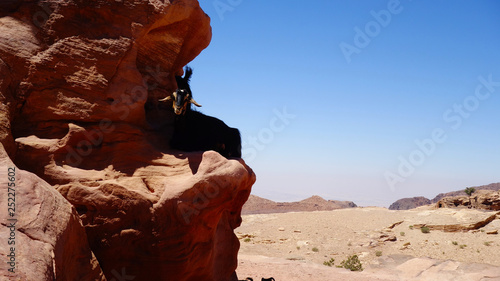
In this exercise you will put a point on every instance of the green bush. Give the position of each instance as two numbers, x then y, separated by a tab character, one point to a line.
247	240
378	253
329	263
425	229
454	243
315	249
402	233
352	263
470	190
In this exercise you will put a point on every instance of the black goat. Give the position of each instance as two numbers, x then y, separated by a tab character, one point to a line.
195	131
182	97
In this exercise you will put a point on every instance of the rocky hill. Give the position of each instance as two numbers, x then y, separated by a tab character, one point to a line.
481	199
258	205
99	193
492	186
414	202
409	203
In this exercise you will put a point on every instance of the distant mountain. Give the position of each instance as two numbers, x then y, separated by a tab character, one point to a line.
414	202
409	203
258	205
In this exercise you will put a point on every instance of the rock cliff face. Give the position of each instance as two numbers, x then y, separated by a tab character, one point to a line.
78	85
481	199
414	202
44	231
491	186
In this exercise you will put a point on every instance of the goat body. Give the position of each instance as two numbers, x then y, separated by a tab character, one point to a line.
196	131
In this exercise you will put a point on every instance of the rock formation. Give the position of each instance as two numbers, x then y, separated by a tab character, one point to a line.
491	187
409	203
258	205
47	237
414	202
481	199
78	85
461	227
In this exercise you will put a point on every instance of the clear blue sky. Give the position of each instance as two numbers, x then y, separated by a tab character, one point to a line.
364	81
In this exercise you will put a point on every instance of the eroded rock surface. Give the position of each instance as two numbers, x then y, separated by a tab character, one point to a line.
78	89
48	240
481	199
461	227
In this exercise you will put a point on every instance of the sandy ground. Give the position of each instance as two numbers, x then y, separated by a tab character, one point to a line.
293	246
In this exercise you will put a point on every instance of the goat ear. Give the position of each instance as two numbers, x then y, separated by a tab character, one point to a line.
188	73
166	99
194	102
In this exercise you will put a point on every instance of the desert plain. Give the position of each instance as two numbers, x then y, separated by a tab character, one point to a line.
461	244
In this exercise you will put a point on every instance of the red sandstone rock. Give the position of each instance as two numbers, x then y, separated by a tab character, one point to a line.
176	212
85	62
49	241
75	79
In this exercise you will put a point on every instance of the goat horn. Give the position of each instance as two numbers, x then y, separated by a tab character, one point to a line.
174	94
195	103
